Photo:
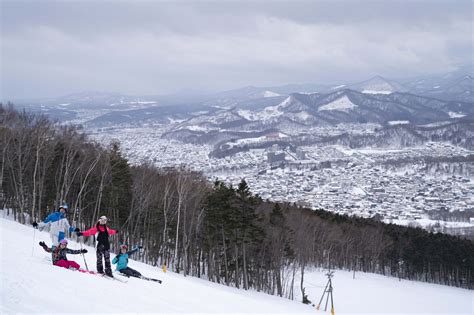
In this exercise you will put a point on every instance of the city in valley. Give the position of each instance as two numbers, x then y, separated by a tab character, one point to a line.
429	185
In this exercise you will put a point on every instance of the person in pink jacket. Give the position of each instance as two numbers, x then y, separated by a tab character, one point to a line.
103	245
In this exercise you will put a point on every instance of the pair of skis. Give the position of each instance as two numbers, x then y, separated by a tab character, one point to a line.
99	274
117	278
142	277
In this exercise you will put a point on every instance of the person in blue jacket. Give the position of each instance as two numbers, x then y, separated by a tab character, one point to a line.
122	261
57	224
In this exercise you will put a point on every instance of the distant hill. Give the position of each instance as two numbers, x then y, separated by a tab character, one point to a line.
378	99
301	111
378	85
457	85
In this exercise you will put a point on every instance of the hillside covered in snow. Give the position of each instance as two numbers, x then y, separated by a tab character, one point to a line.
30	284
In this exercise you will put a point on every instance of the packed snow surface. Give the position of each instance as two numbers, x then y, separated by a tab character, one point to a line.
30	284
341	104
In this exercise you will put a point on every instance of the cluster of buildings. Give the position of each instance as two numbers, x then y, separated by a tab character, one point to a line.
394	185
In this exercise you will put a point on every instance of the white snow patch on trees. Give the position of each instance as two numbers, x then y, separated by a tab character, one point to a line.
455	115
341	104
398	122
376	92
303	115
270	94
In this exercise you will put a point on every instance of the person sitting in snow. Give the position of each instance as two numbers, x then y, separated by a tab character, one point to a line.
58	225
58	254
122	261
103	244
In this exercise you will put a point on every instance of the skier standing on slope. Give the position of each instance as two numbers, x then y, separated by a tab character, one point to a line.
58	225
122	261
59	254
103	244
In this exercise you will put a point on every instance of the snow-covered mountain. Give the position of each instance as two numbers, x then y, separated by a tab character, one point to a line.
96	99
458	86
377	85
398	116
376	99
29	283
248	92
343	106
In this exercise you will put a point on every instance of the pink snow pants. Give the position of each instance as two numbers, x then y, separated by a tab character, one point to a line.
67	264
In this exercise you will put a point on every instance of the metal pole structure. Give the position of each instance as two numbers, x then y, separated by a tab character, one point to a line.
322	296
327	297
328	290
332	301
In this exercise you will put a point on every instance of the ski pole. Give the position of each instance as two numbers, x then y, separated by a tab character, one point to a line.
76	220
83	256
34	241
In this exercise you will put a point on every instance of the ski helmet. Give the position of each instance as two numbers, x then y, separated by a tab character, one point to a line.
124	246
63	241
103	218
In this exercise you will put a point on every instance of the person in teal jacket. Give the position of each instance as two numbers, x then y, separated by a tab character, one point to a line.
122	261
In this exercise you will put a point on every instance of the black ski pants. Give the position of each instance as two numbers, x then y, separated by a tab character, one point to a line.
102	252
130	272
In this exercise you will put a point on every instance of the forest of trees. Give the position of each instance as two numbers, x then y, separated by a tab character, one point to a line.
202	229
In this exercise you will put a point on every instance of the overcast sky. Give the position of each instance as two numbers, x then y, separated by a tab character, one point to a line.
52	48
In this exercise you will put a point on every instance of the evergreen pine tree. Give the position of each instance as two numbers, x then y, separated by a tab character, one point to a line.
118	194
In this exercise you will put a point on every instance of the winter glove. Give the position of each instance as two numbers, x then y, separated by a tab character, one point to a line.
140	246
79	233
83	250
77	230
42	244
35	225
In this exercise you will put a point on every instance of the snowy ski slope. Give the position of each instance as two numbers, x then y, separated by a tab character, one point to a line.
30	284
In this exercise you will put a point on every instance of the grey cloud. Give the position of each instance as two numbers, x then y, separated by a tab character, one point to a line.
52	48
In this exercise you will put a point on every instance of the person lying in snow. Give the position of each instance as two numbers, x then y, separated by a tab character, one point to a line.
58	254
122	261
